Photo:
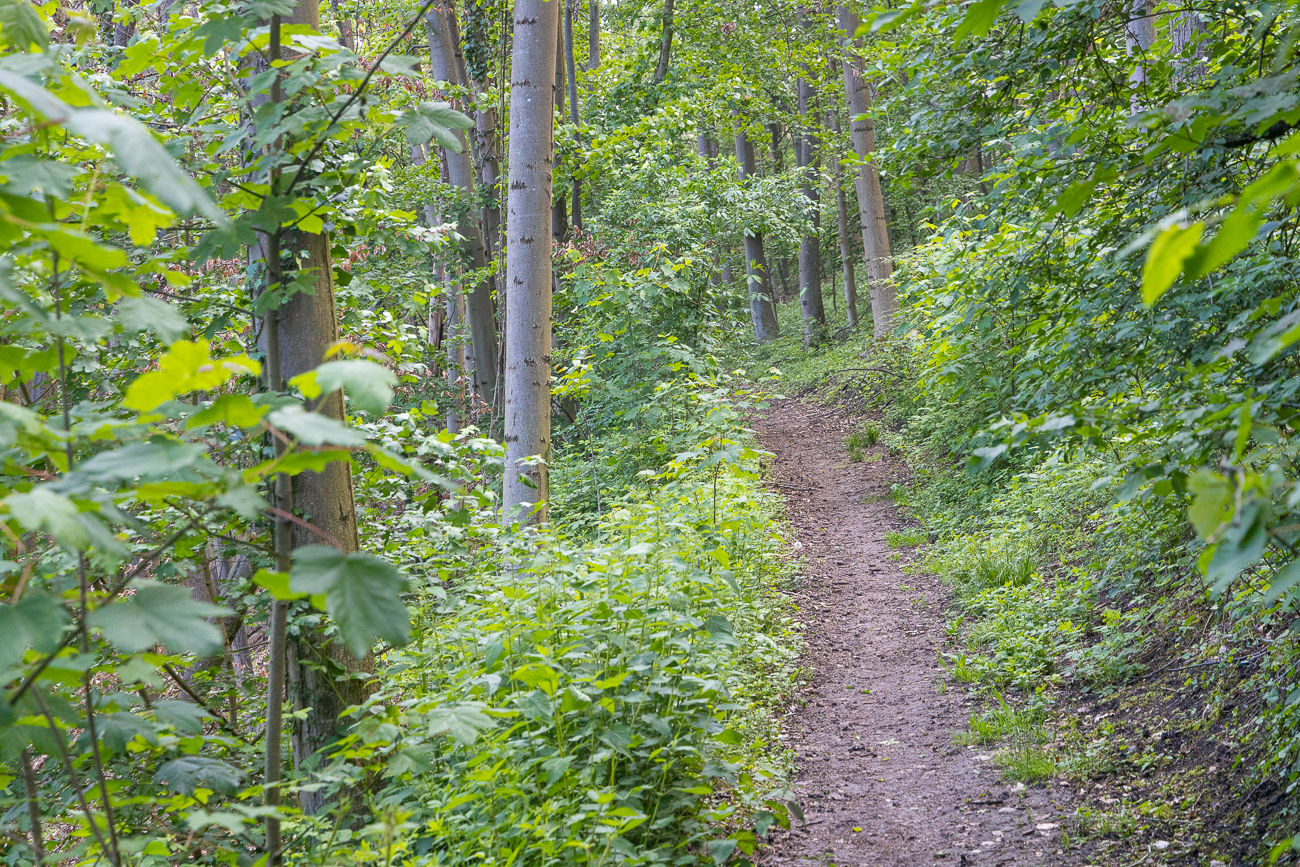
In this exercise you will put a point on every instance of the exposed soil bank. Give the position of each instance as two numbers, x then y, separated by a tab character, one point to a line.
879	777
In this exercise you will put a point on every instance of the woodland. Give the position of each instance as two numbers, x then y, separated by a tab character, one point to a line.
378	472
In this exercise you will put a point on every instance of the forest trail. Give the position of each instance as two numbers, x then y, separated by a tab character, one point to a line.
878	776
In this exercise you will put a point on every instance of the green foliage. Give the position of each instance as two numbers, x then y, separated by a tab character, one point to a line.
905	538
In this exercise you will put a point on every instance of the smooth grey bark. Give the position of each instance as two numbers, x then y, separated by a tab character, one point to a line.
1139	36
460	171
842	225
559	206
446	327
778	167
593	34
572	69
871	200
528	260
761	304
665	44
1183	31
812	309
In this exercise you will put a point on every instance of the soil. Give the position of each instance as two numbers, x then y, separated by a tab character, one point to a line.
879	777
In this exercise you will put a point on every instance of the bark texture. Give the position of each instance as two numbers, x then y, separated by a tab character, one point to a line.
871	200
460	171
812	309
559	206
842	225
762	310
574	118
665	44
528	259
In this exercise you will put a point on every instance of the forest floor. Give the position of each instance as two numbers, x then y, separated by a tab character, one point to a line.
879	776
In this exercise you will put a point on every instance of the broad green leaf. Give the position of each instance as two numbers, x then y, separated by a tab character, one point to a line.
1276	182
979	19
368	385
434	120
362	594
159	614
21	26
1075	197
34	622
116	730
187	366
314	429
1241	545
232	409
1165	259
149	460
277	584
1276	338
1027	10
188	773
1212	503
152	314
42	510
184	716
462	721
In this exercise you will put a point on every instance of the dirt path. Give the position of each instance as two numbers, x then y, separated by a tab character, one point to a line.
879	777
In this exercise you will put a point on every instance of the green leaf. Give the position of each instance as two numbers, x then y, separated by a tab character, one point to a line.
1027	10
188	773
160	614
979	19
1275	338
720	629
150	460
186	366
277	584
232	409
1240	546
462	721
42	510
368	385
434	120
1165	259
362	595
36	622
21	26
184	716
314	429
1075	197
1212	503
152	314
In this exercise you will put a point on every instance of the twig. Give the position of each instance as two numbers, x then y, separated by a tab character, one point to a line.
188	690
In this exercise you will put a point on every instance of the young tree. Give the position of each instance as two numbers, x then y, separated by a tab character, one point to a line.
842	225
812	309
573	102
460	169
528	259
559	209
762	307
871	202
665	44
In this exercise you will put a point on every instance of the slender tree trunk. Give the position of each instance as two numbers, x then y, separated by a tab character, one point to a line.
528	259
762	308
1139	36
593	34
812	309
123	31
842	224
573	103
871	202
559	208
487	141
665	44
460	170
347	35
778	168
446	328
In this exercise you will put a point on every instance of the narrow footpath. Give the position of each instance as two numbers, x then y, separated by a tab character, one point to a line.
879	777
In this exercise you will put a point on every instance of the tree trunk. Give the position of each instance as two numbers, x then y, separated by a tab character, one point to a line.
572	69
347	36
528	259
842	224
487	143
593	34
1139	36
559	209
871	202
812	309
665	44
762	309
778	167
123	31
460	170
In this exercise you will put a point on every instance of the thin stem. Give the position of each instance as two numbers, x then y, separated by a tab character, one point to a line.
72	776
33	807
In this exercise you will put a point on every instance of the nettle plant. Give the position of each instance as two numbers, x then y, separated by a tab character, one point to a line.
151	451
